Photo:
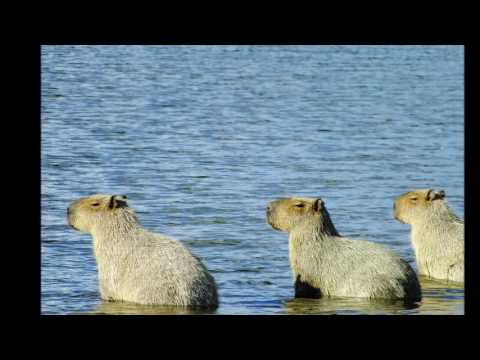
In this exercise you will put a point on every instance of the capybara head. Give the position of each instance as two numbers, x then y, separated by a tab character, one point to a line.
416	205
286	214
89	211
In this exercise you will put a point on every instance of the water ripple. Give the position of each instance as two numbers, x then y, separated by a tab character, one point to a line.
201	137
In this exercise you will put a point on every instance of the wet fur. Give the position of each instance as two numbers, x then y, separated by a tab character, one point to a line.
437	234
136	265
334	265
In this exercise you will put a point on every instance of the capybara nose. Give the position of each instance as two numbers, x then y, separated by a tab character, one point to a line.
269	208
68	211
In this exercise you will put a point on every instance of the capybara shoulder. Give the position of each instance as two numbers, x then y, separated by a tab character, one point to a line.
136	265
324	263
437	234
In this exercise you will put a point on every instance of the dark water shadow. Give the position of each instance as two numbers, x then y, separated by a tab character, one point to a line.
124	308
441	297
429	285
347	306
438	297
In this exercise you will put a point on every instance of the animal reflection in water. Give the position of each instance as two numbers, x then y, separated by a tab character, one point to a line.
438	297
126	308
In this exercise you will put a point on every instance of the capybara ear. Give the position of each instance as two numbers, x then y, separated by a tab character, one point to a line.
433	195
318	205
117	201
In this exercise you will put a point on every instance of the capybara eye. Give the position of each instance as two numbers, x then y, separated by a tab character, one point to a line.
153	269
414	198
300	205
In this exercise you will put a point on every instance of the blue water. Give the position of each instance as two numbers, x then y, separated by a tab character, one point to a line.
200	138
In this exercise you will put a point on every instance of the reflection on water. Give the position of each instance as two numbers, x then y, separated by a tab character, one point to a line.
438	298
124	308
441	297
347	306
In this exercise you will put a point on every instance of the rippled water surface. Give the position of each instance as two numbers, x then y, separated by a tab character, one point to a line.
200	138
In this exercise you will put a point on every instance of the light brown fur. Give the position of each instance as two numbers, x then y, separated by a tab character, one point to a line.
437	234
324	263
135	265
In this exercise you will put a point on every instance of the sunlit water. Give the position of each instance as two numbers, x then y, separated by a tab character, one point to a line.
201	138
